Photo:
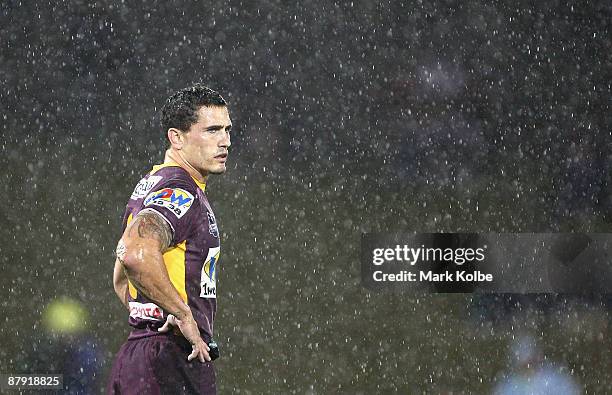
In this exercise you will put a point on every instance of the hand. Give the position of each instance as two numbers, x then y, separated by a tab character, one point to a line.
190	330
170	322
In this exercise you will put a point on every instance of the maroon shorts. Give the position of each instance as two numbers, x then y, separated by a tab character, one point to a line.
158	365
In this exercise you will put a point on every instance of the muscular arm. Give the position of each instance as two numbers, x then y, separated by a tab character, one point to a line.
140	257
140	253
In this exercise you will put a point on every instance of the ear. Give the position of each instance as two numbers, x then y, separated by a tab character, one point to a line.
176	138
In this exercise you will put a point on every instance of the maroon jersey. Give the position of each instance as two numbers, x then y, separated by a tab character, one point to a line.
192	258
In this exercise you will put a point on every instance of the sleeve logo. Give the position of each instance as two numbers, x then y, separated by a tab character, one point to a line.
177	200
144	186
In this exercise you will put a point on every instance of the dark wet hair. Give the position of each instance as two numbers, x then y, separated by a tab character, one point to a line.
181	109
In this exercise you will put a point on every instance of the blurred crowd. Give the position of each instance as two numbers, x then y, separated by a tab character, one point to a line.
455	95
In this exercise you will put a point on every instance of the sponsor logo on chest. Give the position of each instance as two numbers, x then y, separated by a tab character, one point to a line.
208	280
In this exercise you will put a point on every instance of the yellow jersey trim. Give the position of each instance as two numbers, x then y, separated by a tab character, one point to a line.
174	259
131	287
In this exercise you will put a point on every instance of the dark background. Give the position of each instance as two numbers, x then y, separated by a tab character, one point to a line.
448	116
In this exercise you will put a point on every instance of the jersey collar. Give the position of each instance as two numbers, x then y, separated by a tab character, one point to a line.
156	168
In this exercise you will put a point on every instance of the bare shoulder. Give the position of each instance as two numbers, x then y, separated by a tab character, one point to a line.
149	224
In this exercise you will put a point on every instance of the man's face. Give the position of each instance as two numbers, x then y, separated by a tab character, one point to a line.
207	141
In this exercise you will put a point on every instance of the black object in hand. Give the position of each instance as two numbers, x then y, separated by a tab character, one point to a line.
214	350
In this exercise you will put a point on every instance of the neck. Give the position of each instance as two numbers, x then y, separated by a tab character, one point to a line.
175	156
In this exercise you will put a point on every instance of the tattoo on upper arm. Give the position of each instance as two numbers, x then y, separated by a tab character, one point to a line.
149	225
120	251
